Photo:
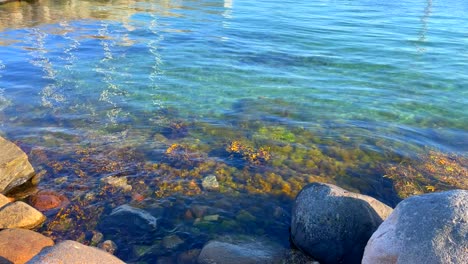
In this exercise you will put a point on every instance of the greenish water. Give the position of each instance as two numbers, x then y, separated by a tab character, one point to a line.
265	95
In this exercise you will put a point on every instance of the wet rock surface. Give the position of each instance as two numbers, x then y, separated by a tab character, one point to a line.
15	168
333	225
20	215
20	245
244	251
430	228
72	252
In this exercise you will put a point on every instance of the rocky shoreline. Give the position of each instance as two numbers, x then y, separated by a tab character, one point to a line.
328	225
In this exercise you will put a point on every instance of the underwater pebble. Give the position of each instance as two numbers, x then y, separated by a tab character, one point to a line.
172	241
210	183
97	237
109	246
118	182
211	218
61	180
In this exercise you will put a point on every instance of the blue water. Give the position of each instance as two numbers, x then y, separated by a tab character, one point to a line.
387	78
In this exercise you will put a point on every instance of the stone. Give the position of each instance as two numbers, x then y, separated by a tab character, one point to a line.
244	251
333	225
20	245
108	246
3	200
72	252
15	168
430	228
172	241
96	238
210	183
129	221
118	182
20	215
48	200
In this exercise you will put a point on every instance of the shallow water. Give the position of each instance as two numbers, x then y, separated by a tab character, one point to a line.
265	95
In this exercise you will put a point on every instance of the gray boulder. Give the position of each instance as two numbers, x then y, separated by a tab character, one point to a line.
128	221
333	225
15	168
245	251
430	228
72	252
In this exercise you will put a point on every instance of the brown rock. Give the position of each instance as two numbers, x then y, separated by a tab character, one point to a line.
20	245
3	200
48	200
20	215
15	168
72	252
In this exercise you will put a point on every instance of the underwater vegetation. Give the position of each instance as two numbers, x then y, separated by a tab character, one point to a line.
259	153
430	172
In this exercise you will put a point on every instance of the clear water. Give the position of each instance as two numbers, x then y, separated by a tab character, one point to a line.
365	83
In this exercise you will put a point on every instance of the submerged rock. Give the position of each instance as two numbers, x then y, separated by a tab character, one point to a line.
126	220
72	252
48	200
245	251
333	225
430	228
15	168
210	183
20	245
108	246
118	182
20	215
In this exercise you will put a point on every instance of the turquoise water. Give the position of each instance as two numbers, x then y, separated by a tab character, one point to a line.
379	82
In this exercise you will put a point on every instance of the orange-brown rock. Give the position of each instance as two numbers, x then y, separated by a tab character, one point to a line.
20	215
48	200
15	168
20	245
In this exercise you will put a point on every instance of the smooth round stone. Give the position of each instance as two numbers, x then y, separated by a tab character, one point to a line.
429	229
72	252
333	225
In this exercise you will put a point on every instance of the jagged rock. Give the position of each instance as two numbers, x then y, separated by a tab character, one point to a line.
20	215
333	225
430	229
15	168
72	252
20	245
246	251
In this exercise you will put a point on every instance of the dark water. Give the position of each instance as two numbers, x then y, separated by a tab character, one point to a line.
265	95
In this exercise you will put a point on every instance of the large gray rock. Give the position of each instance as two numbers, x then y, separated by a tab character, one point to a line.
20	215
128	221
333	225
430	228
20	245
241	252
72	252
15	168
